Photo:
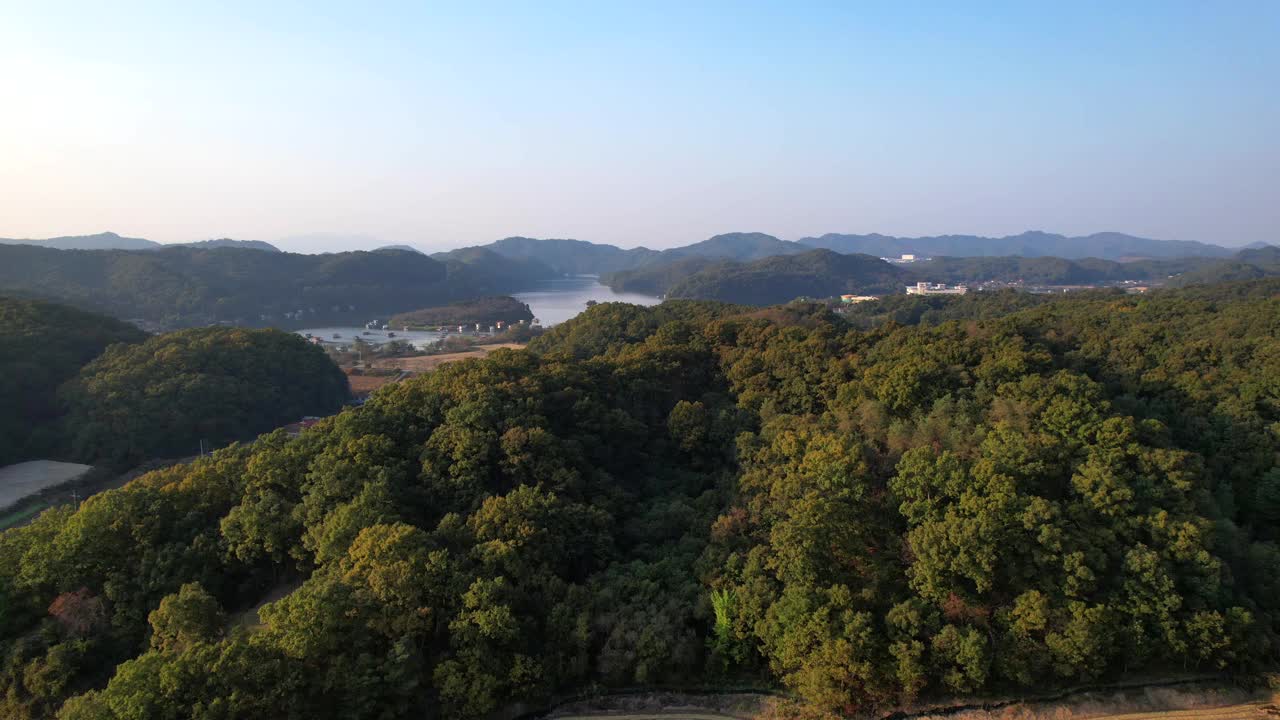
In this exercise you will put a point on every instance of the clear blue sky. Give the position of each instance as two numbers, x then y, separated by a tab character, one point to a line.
640	123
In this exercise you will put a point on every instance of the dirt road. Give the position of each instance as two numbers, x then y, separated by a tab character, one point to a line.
28	478
1243	711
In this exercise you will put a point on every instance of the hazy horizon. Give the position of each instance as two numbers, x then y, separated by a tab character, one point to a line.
658	125
318	243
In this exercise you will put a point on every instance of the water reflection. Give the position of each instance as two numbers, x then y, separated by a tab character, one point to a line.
561	299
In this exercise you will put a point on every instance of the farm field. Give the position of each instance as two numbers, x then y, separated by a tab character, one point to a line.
427	363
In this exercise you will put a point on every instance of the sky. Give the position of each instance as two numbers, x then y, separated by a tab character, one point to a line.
327	126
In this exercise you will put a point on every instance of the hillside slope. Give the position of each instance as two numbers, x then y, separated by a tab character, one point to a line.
1074	493
1107	245
42	345
101	241
179	286
779	279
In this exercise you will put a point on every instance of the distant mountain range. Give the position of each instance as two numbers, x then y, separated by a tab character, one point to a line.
578	257
228	242
112	241
245	282
191	286
823	273
1106	245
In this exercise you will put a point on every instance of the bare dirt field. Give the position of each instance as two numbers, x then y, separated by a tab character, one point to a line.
427	363
23	479
365	384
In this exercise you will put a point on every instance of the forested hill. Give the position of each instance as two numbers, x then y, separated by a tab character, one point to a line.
229	243
487	310
577	257
573	257
486	271
112	241
825	273
696	494
180	286
42	346
80	386
101	241
772	280
1107	245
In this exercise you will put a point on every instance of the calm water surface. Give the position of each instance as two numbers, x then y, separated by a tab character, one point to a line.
561	299
373	337
556	301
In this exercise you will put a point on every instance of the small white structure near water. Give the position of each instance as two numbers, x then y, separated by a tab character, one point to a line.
924	288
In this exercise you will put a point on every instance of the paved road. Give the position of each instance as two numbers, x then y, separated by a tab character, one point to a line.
28	478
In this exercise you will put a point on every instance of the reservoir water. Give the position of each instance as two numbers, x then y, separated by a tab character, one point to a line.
554	302
561	299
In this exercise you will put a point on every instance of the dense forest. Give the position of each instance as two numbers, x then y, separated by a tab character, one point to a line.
42	346
79	386
578	257
1033	243
821	274
182	286
779	279
487	310
1052	493
658	278
162	397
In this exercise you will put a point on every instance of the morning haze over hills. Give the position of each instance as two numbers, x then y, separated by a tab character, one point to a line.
439	367
226	281
750	246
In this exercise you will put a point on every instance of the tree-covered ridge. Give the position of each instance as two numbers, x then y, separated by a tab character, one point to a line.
487	310
779	279
43	345
824	274
183	286
697	493
162	397
656	279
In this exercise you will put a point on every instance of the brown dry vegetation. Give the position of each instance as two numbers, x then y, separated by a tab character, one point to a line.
365	384
428	363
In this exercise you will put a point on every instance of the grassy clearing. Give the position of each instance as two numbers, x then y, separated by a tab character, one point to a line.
19	517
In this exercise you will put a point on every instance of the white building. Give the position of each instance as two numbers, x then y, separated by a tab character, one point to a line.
905	259
924	288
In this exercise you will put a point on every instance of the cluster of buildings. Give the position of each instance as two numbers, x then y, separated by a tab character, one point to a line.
905	259
926	288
